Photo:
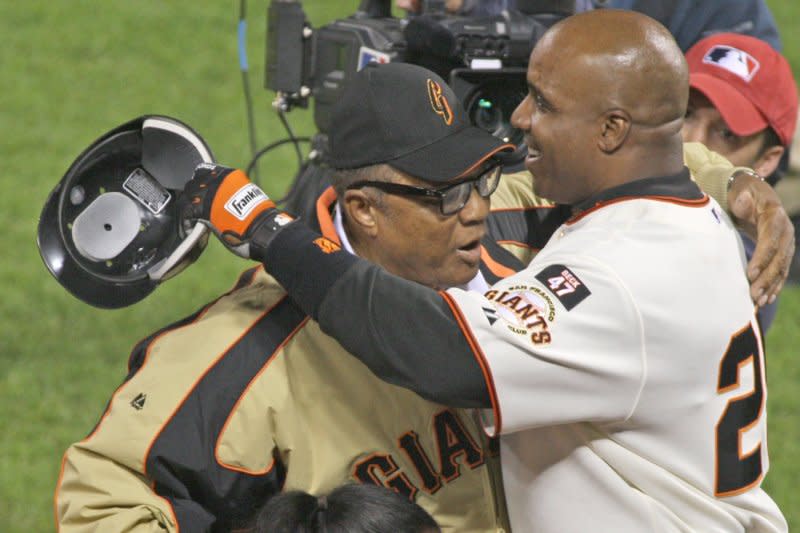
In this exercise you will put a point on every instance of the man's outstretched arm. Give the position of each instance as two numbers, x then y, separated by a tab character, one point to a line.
407	334
419	341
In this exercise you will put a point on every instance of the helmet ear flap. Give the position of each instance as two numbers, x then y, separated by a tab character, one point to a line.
169	149
109	231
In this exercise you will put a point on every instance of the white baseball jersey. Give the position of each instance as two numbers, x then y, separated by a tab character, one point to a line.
627	373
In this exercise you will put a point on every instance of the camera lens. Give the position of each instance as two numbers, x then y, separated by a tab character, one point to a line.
491	103
487	116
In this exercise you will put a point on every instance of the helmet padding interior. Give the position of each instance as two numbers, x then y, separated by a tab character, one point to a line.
107	225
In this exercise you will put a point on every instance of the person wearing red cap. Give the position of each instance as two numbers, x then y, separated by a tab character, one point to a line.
743	105
743	101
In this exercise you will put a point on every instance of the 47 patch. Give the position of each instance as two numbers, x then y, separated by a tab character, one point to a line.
564	285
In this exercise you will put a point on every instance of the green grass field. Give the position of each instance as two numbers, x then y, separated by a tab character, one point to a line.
73	69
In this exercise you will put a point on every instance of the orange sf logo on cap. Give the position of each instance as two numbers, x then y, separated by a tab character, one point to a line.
439	102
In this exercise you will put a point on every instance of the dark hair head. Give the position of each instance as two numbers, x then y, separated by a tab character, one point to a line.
348	509
341	179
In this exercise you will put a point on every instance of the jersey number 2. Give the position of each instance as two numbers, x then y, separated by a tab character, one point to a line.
736	471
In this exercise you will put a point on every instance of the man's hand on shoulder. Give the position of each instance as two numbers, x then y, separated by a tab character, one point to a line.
242	216
758	211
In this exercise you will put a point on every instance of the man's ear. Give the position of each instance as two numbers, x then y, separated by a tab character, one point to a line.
614	127
769	160
360	211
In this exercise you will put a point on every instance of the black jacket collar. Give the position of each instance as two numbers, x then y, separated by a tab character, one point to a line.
678	187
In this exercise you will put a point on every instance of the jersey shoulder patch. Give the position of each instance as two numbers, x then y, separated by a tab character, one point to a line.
564	284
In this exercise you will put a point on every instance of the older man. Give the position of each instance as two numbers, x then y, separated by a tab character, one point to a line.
248	397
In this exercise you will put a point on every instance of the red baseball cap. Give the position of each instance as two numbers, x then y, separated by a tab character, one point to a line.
749	82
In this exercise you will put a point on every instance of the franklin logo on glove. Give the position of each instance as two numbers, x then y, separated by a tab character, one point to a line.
233	207
245	200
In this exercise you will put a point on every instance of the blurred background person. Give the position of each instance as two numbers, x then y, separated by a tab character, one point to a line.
743	104
687	20
692	20
743	101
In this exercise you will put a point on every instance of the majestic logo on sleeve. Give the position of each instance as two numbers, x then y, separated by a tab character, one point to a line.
564	284
245	200
491	314
138	402
439	102
733	60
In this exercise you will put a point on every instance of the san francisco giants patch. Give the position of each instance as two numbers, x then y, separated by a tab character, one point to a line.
564	284
524	311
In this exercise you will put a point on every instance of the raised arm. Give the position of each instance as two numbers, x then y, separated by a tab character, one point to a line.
408	334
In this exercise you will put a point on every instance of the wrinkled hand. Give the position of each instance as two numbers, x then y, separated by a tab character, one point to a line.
759	212
241	215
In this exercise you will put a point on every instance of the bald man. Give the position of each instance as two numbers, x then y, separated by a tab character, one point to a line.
623	369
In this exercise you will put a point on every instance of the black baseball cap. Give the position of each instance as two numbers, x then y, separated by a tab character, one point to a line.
408	117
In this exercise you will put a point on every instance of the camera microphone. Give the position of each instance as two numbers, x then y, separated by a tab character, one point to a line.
374	9
426	35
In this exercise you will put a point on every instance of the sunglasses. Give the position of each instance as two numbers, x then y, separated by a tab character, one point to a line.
452	198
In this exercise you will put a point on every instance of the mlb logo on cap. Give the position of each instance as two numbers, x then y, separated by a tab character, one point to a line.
749	83
733	60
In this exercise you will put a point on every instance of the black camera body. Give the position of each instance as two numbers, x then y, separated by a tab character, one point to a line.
344	47
483	59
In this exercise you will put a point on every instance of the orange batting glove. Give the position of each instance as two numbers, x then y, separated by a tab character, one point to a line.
242	216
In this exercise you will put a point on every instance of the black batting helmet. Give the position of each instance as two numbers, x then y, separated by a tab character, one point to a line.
109	231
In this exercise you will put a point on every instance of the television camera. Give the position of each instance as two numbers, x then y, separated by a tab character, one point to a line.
483	59
109	232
